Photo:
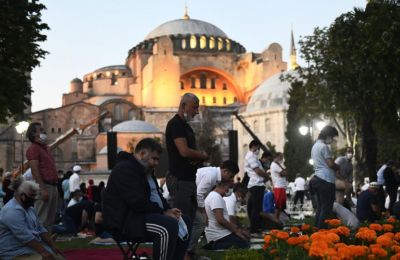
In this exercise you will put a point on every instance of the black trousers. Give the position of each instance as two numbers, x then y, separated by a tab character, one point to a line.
392	192
325	193
254	207
299	195
163	231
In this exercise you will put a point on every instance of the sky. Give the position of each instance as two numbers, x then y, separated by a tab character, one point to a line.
86	35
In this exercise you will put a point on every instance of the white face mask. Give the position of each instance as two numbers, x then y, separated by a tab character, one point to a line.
43	137
229	193
349	156
257	152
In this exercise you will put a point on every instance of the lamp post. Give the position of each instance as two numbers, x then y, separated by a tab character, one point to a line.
21	128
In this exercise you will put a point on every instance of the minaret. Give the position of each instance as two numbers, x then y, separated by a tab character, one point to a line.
293	57
186	16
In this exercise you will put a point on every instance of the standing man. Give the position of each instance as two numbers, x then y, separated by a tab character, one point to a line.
206	179
75	180
278	175
299	184
256	185
44	173
183	156
344	180
133	207
323	181
391	184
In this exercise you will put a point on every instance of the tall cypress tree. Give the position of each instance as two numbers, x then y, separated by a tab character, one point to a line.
297	151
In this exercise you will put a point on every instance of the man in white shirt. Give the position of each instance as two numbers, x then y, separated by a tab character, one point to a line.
74	180
206	179
299	184
278	175
233	202
256	185
220	232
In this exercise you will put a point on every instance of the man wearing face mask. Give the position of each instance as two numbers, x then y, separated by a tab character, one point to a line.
206	179
22	235
184	158
44	172
134	208
278	176
233	202
323	181
257	177
344	180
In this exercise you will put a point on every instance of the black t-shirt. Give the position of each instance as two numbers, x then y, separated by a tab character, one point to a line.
179	166
364	209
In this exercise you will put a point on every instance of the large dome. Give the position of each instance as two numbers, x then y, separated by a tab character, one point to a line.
186	26
272	93
135	126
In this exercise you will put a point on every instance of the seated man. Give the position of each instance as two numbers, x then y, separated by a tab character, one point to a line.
81	214
268	213
220	232
133	207
368	205
21	233
233	202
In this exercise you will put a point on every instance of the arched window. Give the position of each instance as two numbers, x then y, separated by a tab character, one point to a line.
224	86
193	42
212	42
235	99
118	112
182	85
193	81
203	99
214	100
132	114
203	81
228	45
220	44
213	83
183	44
114	80
256	127
203	42
224	100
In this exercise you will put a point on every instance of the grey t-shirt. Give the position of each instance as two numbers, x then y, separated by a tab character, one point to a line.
346	168
320	152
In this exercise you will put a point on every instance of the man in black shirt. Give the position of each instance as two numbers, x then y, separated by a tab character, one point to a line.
367	204
183	156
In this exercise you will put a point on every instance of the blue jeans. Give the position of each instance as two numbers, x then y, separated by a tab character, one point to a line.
230	241
325	194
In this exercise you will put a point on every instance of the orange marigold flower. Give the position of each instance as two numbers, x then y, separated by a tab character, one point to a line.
297	240
267	239
395	257
339	245
389	234
383	240
344	231
358	250
333	222
396	248
318	248
391	220
273	251
282	235
332	237
376	227
307	246
387	227
379	252
366	234
294	229
397	236
305	227
371	257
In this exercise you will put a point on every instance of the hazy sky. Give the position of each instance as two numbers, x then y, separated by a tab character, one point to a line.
89	34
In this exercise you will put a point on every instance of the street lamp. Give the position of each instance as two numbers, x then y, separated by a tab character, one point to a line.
21	128
303	130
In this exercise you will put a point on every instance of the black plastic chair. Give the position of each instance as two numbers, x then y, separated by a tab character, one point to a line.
128	249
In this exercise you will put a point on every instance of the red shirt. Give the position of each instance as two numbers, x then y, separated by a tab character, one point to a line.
47	167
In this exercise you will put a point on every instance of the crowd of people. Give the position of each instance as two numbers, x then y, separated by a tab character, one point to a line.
195	199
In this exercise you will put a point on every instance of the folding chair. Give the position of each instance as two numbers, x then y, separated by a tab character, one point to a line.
128	249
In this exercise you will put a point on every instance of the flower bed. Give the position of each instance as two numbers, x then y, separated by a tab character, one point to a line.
370	241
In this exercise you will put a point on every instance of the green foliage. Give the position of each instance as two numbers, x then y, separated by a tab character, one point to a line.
352	74
20	33
297	151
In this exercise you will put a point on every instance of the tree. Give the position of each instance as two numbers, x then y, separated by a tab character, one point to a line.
20	33
352	75
297	151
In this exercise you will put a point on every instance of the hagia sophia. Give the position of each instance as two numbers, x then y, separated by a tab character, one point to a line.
143	93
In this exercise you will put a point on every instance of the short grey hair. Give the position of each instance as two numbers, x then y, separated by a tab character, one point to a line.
187	97
21	186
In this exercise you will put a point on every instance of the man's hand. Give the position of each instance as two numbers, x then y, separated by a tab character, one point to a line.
242	234
175	213
44	193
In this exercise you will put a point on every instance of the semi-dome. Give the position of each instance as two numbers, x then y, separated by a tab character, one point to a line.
76	80
135	126
272	93
186	26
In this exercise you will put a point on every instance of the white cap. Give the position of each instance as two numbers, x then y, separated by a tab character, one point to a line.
77	168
